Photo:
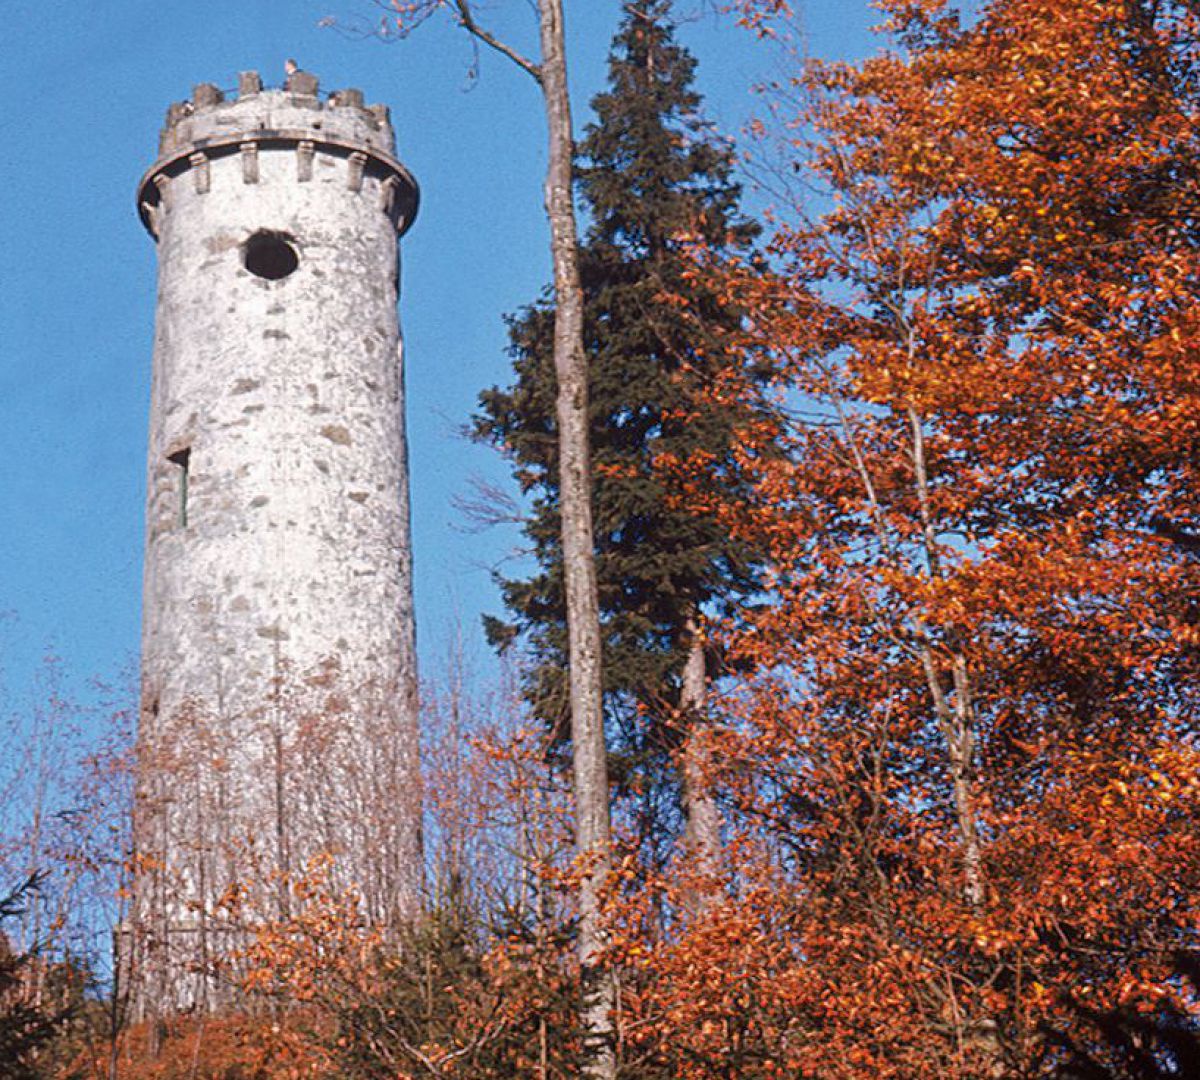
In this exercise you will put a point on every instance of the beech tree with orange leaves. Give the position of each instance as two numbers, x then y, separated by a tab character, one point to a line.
967	762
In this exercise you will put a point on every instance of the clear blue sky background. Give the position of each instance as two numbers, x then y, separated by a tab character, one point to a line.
86	88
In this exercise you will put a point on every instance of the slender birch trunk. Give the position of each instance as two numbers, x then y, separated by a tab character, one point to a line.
590	765
592	822
703	828
956	715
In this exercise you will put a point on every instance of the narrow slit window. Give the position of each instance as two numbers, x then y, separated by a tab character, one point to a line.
181	459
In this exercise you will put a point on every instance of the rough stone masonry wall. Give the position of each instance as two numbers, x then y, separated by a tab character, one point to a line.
279	709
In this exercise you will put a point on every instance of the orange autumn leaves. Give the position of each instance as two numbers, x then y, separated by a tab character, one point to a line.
967	752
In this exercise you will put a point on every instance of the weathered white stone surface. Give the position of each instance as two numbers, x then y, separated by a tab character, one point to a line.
279	707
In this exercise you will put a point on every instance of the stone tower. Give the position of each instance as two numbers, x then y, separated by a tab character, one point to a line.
278	720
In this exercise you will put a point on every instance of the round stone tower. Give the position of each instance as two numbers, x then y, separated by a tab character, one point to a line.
278	734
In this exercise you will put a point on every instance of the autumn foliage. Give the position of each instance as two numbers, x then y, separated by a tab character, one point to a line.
953	734
965	766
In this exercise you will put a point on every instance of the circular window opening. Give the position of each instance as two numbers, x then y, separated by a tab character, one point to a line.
270	255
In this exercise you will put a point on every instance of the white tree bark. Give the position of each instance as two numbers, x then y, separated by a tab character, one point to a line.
593	830
592	822
703	828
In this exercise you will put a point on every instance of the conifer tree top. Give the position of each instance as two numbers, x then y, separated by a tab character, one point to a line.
651	176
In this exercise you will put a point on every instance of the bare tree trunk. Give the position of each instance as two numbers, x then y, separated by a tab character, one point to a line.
703	831
956	720
957	716
953	708
592	824
590	765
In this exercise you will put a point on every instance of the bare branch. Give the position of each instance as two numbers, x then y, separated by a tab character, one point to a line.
466	19
487	505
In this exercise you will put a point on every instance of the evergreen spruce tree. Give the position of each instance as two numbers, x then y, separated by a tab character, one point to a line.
650	175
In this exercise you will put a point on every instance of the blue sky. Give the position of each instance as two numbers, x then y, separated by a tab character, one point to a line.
86	89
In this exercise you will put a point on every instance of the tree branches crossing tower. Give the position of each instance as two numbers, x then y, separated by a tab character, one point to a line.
279	700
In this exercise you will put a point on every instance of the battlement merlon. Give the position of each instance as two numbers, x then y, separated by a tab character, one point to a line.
209	114
210	126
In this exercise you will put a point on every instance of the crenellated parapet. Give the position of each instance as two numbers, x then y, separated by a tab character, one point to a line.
295	119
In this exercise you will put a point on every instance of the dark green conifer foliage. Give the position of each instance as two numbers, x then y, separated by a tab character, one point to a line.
651	175
27	1031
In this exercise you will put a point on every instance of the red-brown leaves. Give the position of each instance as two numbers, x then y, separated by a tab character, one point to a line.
967	750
